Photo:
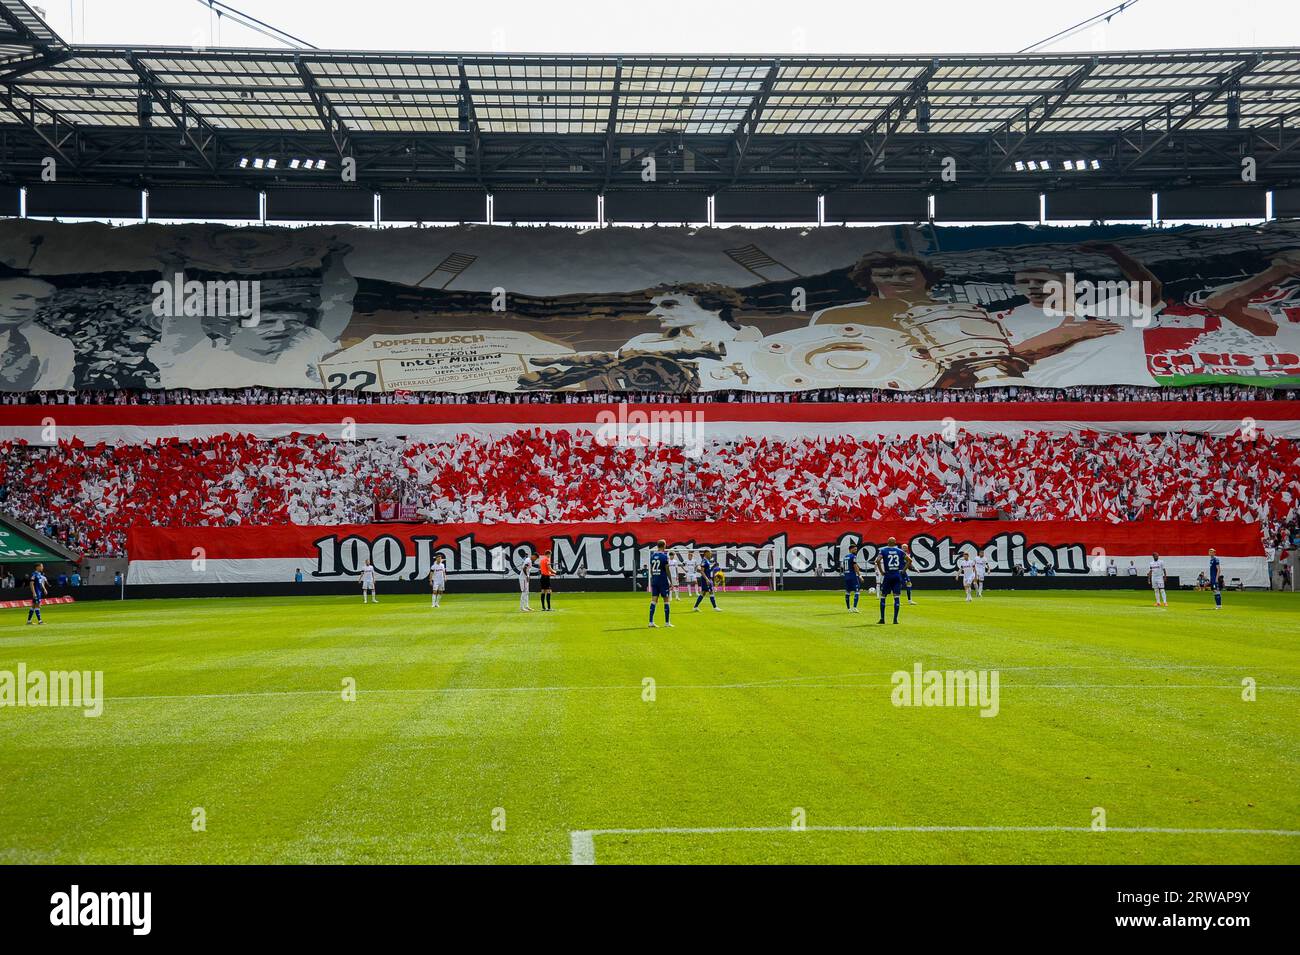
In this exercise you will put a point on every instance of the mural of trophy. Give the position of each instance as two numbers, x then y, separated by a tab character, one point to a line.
969	346
948	344
835	356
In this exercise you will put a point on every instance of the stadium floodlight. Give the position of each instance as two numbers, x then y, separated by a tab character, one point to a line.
1069	164
1020	166
1096	164
243	162
1081	164
293	164
270	164
258	163
1044	164
1033	166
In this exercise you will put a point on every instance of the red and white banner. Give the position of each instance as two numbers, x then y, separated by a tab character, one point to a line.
1072	549
11	604
705	421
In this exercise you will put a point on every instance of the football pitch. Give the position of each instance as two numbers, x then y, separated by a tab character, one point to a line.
768	732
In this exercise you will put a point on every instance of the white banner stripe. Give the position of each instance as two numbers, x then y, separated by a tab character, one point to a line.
1252	571
721	430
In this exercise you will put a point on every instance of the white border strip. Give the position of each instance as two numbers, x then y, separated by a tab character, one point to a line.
1253	571
708	429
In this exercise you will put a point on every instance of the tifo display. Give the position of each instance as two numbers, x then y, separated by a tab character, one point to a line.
90	495
677	311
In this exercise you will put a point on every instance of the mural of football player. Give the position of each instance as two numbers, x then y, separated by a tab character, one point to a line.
1070	342
699	344
292	264
699	317
305	292
1247	327
32	358
281	350
961	342
1264	303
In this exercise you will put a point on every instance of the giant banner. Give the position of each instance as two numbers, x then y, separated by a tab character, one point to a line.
1072	549
484	308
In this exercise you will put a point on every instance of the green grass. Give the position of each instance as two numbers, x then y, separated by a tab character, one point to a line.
781	701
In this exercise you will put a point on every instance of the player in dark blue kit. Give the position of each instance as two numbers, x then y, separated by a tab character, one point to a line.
852	580
1216	580
891	565
708	568
660	584
907	578
39	588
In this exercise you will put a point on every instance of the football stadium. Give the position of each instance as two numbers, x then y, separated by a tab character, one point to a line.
416	457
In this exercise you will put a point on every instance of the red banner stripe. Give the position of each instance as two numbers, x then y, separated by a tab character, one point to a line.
1173	538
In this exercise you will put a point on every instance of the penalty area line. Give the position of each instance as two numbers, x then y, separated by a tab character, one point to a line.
582	842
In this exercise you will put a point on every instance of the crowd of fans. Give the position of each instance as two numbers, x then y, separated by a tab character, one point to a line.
306	396
88	496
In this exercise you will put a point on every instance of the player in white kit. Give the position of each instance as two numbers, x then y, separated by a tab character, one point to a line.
981	568
368	583
525	569
1156	575
438	579
674	573
966	568
692	572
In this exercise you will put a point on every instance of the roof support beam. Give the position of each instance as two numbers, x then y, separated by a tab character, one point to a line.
195	130
1195	107
16	68
26	108
1050	106
830	159
333	123
470	115
23	34
1283	147
892	116
611	123
744	132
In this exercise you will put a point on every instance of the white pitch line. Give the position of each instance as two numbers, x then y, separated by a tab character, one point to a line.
582	842
582	847
1237	668
426	691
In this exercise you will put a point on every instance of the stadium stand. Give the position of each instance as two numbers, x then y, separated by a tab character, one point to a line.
181	366
89	495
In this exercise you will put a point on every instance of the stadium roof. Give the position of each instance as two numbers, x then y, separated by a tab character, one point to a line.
167	115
